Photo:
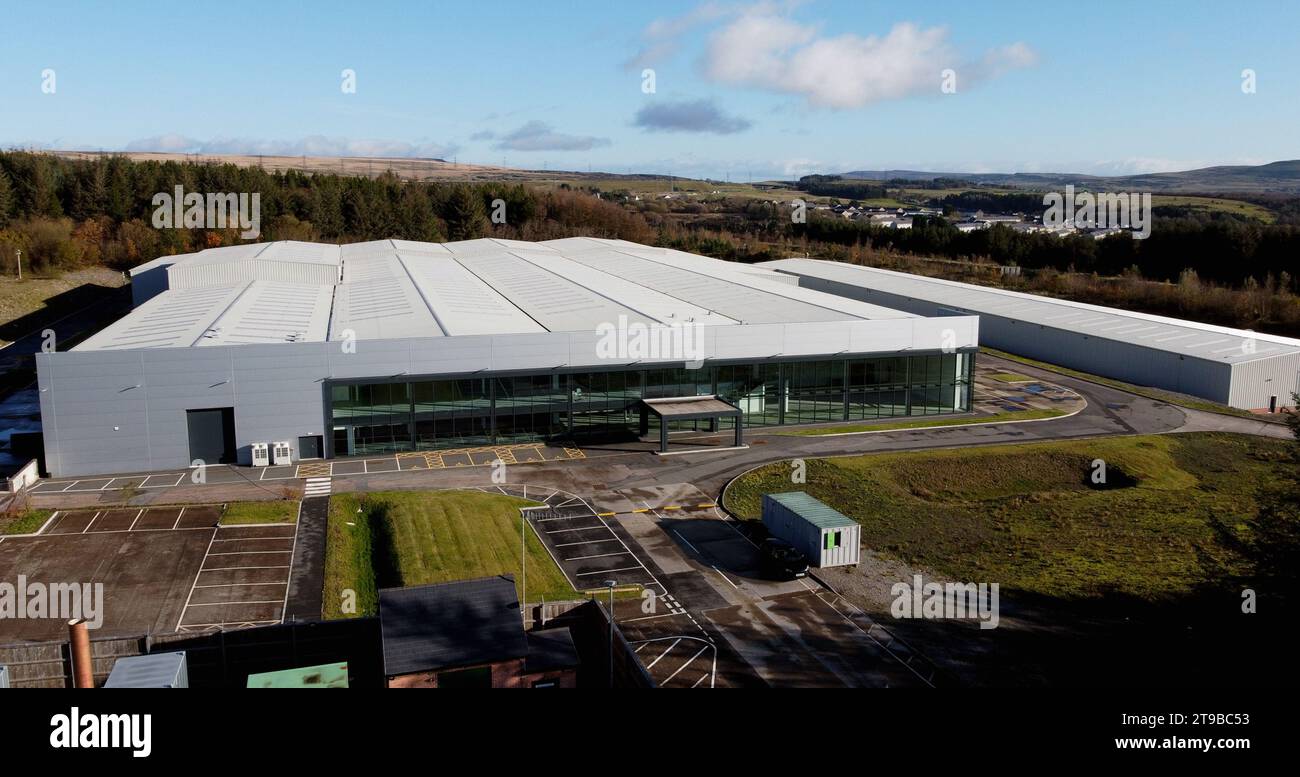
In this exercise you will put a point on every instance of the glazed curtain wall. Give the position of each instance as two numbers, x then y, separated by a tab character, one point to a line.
371	418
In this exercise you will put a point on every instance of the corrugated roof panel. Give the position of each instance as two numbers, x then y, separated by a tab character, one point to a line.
1160	332
723	289
273	312
172	319
645	300
378	299
463	302
555	302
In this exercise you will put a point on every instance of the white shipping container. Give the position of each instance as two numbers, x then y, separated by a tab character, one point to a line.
826	536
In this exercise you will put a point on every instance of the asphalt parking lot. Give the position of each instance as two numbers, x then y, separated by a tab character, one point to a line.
586	548
243	579
162	569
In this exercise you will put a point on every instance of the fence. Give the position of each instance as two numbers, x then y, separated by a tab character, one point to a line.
221	659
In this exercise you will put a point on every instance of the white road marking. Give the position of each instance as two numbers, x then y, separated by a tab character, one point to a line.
608	571
196	578
651	665
683	666
599	555
724	577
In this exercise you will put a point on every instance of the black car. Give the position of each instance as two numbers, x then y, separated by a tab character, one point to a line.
781	560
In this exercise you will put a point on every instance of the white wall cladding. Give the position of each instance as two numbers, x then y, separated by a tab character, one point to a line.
124	410
1255	383
1228	379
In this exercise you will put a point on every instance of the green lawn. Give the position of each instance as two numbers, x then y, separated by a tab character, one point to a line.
405	538
25	522
1021	415
1177	517
244	513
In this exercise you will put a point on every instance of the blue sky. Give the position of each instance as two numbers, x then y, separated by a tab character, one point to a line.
742	89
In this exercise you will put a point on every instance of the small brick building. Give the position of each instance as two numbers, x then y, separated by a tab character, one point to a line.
469	634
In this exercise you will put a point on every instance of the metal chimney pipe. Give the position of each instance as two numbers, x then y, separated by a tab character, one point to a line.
82	665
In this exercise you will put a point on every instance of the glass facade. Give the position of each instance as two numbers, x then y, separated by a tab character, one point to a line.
370	418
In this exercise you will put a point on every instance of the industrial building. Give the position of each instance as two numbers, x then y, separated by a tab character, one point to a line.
291	351
1235	367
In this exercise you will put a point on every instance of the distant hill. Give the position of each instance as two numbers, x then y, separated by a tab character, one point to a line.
1274	178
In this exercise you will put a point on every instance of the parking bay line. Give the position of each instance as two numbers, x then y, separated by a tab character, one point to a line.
609	571
651	665
230	585
218	604
598	555
683	666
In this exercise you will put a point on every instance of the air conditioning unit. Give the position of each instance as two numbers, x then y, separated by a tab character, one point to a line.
261	457
282	453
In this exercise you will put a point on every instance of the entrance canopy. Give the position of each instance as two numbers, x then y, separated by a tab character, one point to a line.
706	407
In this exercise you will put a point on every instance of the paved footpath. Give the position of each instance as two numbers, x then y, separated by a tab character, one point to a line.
307	577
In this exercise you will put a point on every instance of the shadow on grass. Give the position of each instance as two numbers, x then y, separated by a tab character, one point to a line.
384	560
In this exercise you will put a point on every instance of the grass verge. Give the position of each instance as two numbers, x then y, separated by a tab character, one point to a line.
403	538
1021	415
1178	514
25	522
246	513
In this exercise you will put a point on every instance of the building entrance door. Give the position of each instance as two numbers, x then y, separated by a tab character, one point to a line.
212	435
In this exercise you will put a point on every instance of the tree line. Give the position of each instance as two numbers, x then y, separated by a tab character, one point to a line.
67	213
1229	251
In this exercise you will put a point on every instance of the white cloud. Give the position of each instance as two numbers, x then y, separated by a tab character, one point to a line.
846	71
759	45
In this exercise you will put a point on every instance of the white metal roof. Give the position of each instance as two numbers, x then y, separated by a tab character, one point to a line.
1186	338
400	288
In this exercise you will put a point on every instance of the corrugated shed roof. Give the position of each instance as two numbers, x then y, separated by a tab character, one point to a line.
399	288
173	319
1186	338
447	625
720	286
273	312
813	510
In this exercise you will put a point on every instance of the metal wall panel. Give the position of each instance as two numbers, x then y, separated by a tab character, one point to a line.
1129	362
124	410
1254	383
